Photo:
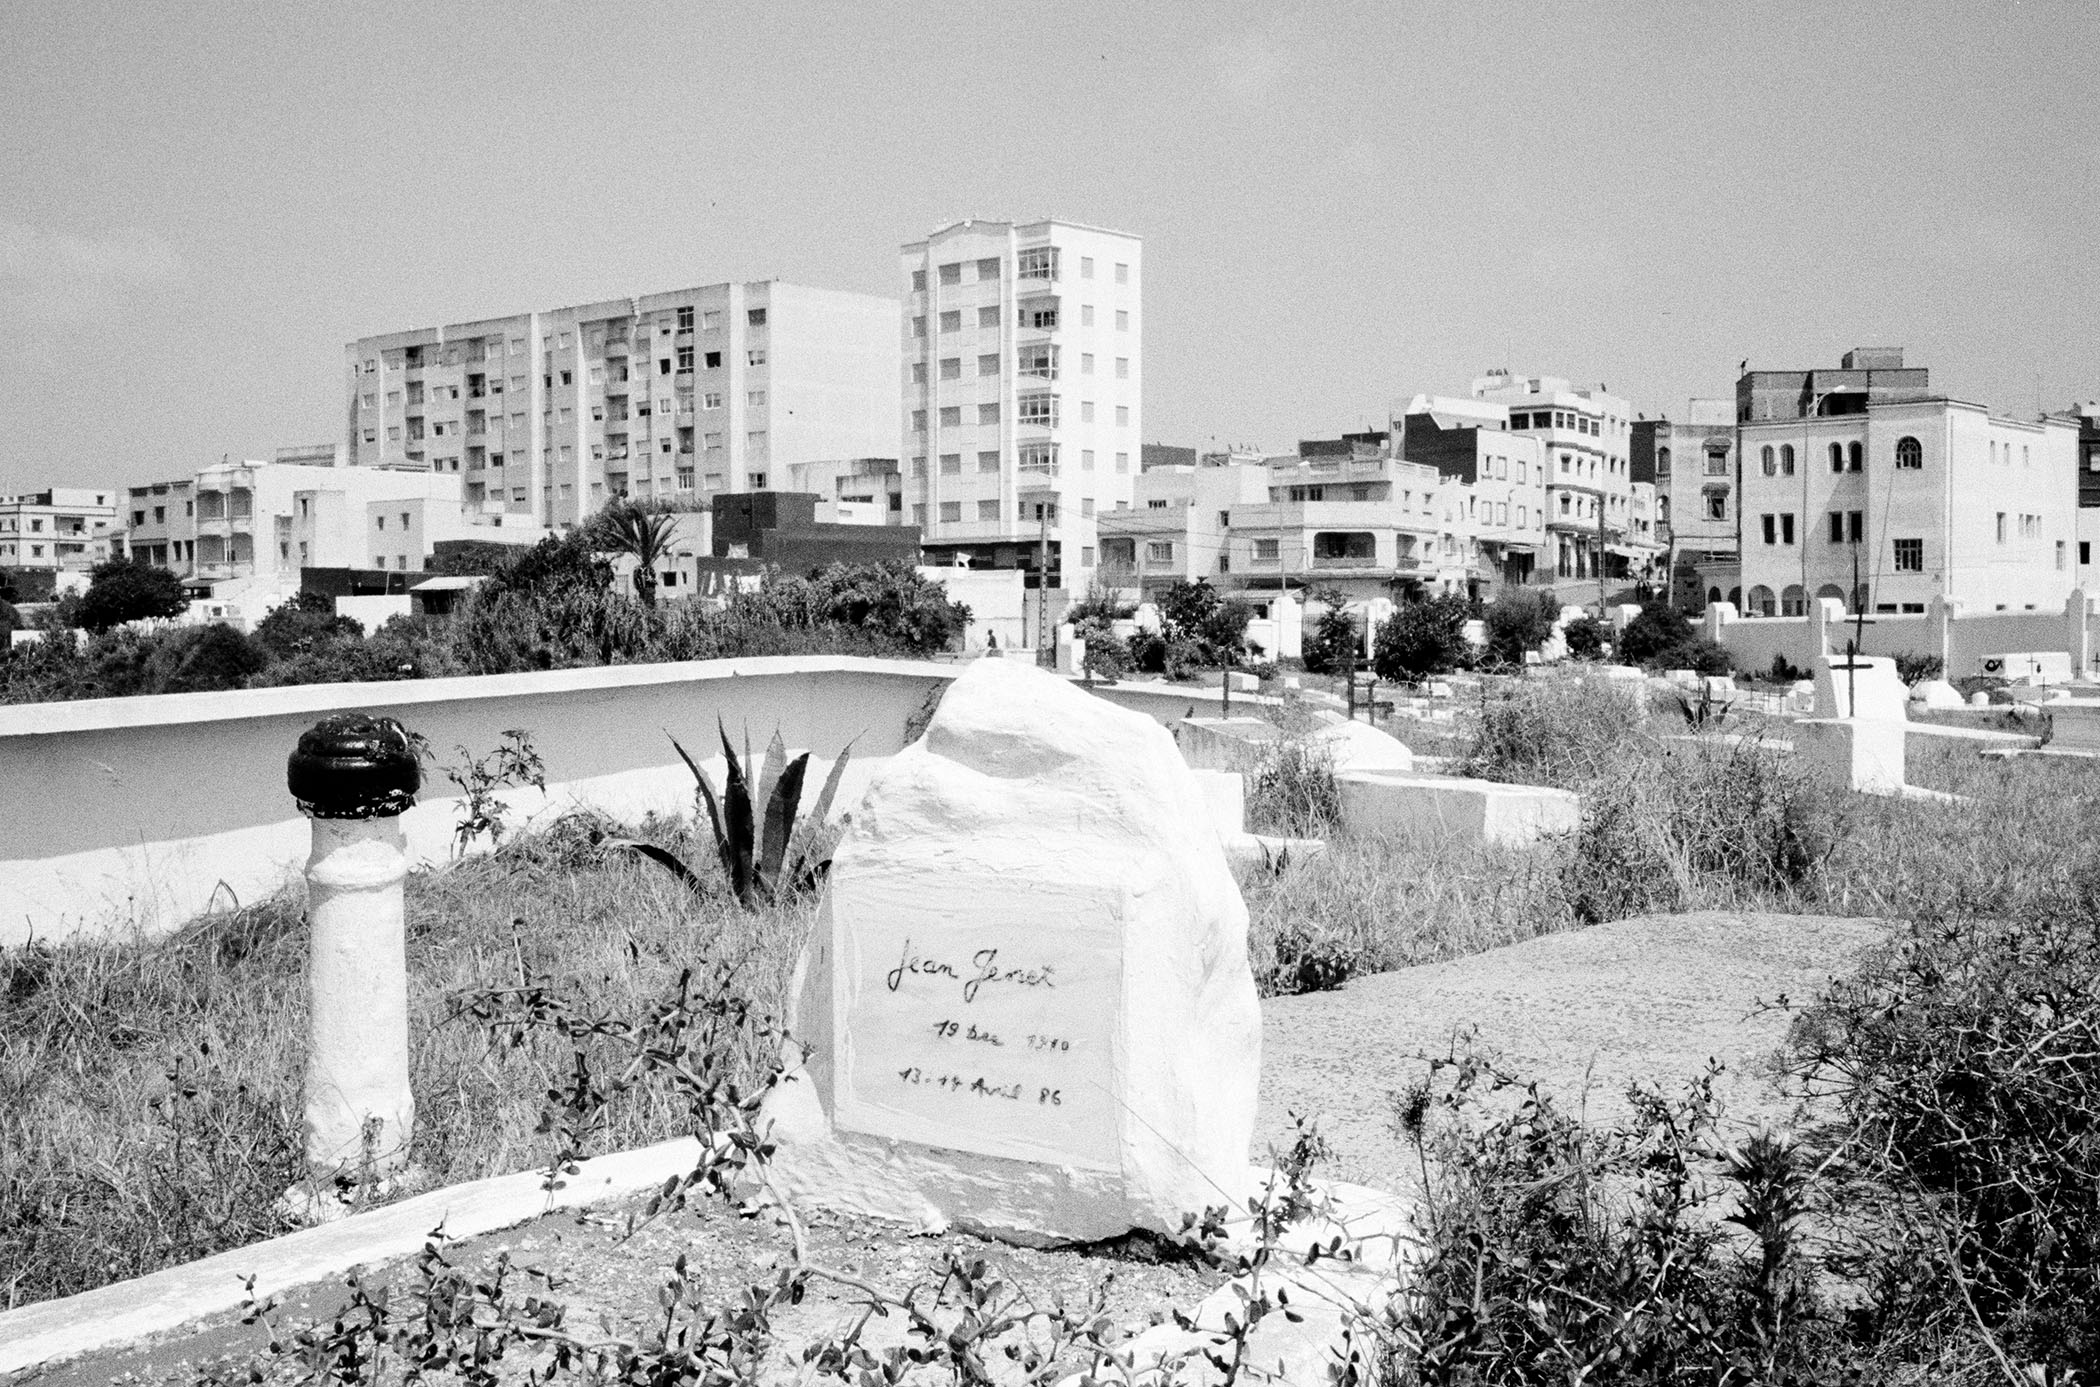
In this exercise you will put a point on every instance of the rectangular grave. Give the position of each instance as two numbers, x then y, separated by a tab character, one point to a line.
982	1019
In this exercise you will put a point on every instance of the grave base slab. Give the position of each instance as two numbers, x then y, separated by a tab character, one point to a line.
1482	811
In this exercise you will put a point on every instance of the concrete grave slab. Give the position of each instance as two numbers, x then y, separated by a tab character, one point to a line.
1482	811
1871	679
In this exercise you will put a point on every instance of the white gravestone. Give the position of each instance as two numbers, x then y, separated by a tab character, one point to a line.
1027	997
1871	679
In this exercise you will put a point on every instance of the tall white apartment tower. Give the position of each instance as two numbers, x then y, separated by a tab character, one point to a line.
1023	385
549	416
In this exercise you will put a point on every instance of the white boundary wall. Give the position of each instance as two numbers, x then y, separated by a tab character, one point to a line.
1959	637
136	815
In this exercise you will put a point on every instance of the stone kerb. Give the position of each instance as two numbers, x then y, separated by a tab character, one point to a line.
1027	1002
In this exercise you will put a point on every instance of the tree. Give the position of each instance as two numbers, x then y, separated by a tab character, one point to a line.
642	535
551	567
1519	620
1335	635
1423	639
1212	627
122	591
307	620
1584	637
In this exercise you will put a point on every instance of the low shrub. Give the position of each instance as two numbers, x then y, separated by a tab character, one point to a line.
1291	789
1584	637
1913	667
1335	638
1520	620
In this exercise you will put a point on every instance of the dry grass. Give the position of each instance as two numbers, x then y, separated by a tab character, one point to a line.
149	1091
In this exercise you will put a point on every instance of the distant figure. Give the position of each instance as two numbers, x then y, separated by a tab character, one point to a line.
991	645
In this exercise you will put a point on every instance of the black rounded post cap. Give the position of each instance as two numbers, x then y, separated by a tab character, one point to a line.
351	766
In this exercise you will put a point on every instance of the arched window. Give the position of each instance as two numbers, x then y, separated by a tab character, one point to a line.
1735	595
1837	457
1713	594
1662	461
1794	601
1761	603
1764	457
1786	459
1830	590
1855	457
1909	453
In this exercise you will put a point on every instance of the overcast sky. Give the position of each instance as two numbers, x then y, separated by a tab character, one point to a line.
200	204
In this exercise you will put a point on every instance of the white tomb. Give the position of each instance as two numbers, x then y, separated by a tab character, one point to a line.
1027	997
1862	686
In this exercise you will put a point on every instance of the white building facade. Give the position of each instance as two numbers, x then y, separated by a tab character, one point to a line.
57	529
1589	486
549	416
1921	498
1022	391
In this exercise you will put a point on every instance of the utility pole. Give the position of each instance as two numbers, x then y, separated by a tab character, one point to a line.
1045	648
1600	556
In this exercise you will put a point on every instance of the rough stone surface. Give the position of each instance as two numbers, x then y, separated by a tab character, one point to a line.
1483	811
1027	997
1224	744
1869	678
1648	999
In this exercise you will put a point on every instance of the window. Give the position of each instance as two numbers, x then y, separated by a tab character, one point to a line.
1265	550
1765	457
755	399
951	416
1761	603
2001	527
1122	273
952	273
1042	315
987	510
1122	368
1855	456
988	364
754	440
1122	320
1122	462
951	512
1837	457
1086	315
918	515
951	464
1086	267
918	421
713	361
1086	459
1786	459
918	281
1910	555
710	441
1909	453
2085	551
1039	262
951	321
1770	523
712	399
918	326
1786	528
2059	555
1086	363
951	368
1123	415
918	373
756	317
988	270
988	459
755	357
685	360
1086	411
989	317
1039	409
1837	527
988	414
1086	505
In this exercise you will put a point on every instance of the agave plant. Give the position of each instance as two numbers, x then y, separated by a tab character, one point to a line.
766	851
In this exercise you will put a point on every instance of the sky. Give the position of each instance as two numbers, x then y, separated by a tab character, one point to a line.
1342	204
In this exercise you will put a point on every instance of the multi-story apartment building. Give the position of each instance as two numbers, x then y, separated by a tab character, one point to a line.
548	416
1587	435
1691	463
1495	487
56	529
2087	417
852	491
1865	376
1177	526
1917	498
1367	524
1023	389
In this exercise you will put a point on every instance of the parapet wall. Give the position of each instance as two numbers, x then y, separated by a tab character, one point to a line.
1959	637
138	814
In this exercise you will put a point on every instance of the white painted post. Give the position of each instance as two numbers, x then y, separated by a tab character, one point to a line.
2077	635
353	776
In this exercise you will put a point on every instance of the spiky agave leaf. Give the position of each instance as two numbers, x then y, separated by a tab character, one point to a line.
780	821
663	858
704	791
769	776
738	821
812	823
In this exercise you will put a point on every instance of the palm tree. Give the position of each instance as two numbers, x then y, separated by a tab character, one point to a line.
644	535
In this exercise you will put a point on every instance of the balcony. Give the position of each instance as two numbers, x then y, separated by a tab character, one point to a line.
1038	478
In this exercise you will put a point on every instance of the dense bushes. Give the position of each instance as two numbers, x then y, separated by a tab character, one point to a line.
1662	637
550	608
1336	636
1518	621
1423	639
121	591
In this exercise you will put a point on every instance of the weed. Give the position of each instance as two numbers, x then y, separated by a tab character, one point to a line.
481	779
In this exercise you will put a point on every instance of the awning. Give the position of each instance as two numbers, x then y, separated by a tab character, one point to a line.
451	582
